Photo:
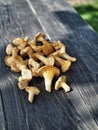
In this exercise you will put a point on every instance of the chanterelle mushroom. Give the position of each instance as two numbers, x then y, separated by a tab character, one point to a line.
33	65
33	43
65	64
26	51
38	37
47	48
20	43
58	52
62	53
23	83
15	61
32	91
45	60
61	83
57	44
26	74
48	72
68	57
9	49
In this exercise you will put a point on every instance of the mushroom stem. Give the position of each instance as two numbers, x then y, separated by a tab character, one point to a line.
65	64
48	77
65	86
32	91
46	61
68	57
61	83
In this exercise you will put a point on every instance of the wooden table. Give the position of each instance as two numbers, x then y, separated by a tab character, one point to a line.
77	110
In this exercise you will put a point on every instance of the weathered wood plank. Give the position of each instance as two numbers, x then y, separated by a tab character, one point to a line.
84	46
56	110
13	25
2	117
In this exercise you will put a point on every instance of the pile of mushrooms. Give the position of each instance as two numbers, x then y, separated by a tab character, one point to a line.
38	57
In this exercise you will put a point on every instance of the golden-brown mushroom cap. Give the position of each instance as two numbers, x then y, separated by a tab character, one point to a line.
48	68
48	72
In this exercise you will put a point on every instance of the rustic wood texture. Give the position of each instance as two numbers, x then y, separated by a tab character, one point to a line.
77	110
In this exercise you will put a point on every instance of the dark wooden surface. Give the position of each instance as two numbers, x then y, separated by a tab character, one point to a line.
77	110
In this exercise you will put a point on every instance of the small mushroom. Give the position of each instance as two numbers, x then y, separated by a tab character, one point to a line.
46	61
33	65
26	74
23	83
48	72
68	57
58	52
47	48
65	64
9	49
32	91
27	51
36	48
33	43
20	43
57	44
15	61
61	83
38	37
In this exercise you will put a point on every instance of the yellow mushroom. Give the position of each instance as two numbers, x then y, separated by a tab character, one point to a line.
65	64
38	37
33	43
23	82
33	65
57	44
61	83
32	90
27	51
20	43
68	57
26	74
48	72
15	61
47	48
9	49
58	52
45	60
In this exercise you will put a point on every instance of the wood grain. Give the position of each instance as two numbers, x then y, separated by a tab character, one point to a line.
77	110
